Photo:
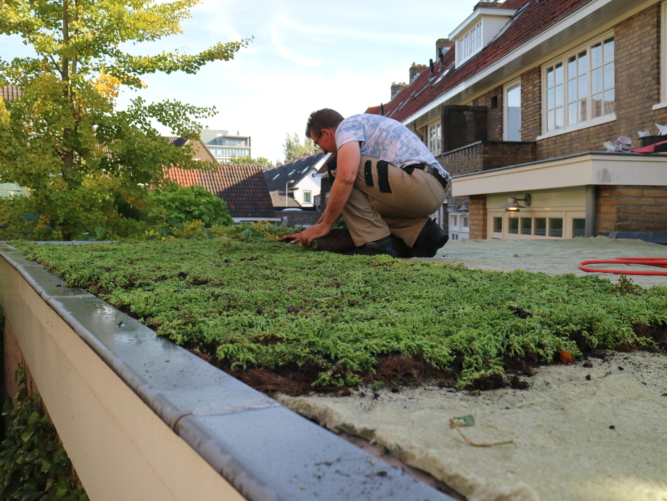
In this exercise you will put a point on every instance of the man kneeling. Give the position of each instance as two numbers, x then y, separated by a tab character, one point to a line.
387	183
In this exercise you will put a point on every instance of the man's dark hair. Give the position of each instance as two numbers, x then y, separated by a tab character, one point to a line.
322	119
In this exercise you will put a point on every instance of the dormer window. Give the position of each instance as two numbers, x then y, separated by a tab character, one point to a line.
476	32
470	44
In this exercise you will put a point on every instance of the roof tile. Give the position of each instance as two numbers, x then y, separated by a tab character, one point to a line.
241	186
535	18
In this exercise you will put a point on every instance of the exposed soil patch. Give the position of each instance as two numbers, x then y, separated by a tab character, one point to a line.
393	370
397	370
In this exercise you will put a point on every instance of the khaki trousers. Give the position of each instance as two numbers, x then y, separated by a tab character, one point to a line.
387	200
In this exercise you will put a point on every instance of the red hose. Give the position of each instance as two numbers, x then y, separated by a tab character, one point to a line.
660	262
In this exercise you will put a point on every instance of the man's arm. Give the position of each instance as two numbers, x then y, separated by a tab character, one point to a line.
349	157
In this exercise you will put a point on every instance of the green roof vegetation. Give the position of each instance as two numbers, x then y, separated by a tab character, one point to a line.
251	306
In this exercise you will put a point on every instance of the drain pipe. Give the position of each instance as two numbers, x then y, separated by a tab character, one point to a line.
591	210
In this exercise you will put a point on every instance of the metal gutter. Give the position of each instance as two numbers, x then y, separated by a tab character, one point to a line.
265	451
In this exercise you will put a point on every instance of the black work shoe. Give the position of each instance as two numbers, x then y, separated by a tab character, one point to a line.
383	246
337	240
430	239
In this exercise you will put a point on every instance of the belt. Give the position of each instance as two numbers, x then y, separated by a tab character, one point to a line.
429	169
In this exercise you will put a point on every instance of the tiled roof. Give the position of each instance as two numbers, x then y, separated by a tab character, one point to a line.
277	177
528	23
241	186
10	92
201	152
280	200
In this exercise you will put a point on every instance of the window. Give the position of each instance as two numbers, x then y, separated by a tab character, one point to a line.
464	222
453	221
470	44
580	87
541	226
526	226
555	227
513	112
578	228
497	224
513	225
434	135
306	197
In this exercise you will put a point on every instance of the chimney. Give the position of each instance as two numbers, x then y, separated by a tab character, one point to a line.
443	43
415	70
486	3
396	88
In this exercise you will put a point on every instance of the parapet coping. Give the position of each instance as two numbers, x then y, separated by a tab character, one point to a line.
264	450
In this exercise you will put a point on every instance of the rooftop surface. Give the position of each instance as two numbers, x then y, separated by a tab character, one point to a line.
553	257
582	432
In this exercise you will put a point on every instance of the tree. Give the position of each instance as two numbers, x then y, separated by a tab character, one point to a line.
264	162
63	139
183	204
294	148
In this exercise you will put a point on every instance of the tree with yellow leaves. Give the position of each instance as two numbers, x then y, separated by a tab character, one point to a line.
63	139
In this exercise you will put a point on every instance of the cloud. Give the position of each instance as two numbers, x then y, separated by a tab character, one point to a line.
287	54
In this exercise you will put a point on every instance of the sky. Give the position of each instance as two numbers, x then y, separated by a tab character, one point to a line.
303	56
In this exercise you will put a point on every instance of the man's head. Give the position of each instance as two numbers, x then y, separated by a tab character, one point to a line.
321	128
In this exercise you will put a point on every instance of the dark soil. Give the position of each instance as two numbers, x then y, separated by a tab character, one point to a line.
398	370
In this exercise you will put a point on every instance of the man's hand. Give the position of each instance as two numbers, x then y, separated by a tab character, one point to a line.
307	236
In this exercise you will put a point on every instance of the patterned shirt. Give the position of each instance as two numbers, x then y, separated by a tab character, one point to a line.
386	139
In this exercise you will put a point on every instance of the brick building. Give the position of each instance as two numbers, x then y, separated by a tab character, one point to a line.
523	103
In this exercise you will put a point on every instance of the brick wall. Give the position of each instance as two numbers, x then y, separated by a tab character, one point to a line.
477	221
631	208
463	125
637	58
493	101
498	154
463	160
531	104
488	155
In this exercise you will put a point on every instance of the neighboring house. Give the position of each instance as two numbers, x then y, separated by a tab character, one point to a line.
224	146
520	100
280	201
10	92
297	180
11	189
201	152
241	186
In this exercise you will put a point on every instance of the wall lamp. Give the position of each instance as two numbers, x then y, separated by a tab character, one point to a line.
513	203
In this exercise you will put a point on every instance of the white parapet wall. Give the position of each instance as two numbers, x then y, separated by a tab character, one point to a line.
143	419
120	448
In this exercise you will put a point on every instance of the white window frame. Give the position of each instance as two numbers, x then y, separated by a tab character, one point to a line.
563	60
663	58
506	89
470	43
434	138
310	199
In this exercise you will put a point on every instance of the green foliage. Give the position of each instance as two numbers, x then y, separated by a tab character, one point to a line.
184	204
33	463
264	162
253	231
294	148
265	304
63	139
